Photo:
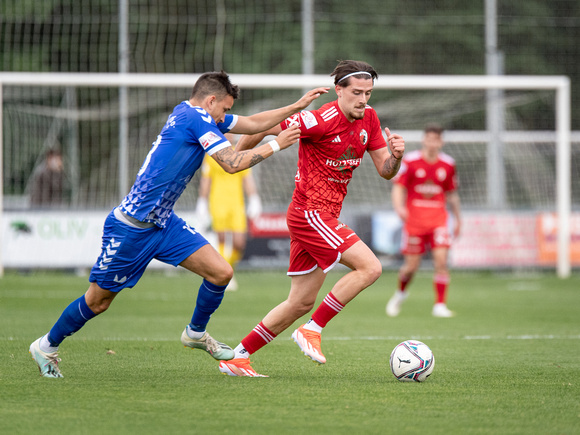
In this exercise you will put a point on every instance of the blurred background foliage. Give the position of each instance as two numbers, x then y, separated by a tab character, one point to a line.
265	36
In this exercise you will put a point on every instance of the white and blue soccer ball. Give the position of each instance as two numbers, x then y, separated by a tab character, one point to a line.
412	361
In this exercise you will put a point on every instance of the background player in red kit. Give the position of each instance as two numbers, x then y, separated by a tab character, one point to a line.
426	182
333	141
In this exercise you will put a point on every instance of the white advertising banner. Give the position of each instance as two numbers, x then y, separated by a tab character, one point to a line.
51	239
490	239
55	239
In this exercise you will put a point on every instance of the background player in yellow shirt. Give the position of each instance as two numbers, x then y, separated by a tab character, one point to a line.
221	199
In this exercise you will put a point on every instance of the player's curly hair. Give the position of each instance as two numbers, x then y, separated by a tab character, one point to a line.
347	67
215	83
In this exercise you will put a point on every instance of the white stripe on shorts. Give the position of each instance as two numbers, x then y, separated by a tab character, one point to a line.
314	220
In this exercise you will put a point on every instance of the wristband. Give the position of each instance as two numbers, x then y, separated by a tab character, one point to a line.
274	145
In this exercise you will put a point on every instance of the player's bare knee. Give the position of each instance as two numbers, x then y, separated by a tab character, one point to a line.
300	308
373	271
374	275
101	306
222	276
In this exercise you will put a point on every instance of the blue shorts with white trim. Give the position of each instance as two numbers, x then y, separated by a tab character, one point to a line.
126	251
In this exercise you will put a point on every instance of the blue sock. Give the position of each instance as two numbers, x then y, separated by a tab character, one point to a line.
209	298
70	321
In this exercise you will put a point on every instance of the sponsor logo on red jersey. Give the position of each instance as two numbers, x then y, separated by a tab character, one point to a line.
428	189
309	119
342	163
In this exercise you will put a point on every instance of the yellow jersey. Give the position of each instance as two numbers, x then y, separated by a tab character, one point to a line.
226	197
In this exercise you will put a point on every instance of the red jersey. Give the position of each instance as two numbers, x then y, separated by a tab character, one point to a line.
426	184
331	147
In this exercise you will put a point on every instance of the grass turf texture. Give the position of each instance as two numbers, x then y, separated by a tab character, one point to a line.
507	363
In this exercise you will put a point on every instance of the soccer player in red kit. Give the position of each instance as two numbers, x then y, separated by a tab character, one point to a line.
333	141
425	184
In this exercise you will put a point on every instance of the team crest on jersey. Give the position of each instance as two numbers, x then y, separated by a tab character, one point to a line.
420	173
293	120
208	139
441	174
364	137
308	119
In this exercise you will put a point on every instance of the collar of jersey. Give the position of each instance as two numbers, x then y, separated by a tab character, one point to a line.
194	107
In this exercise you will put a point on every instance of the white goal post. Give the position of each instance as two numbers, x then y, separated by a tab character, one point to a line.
559	84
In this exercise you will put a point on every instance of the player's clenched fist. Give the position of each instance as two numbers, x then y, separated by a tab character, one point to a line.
396	144
288	137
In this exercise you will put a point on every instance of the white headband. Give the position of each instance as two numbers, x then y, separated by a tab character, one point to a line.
354	74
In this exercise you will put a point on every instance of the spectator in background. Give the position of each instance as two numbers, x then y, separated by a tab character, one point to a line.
426	182
228	217
47	185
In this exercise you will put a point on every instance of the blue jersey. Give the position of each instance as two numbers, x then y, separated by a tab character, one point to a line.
178	152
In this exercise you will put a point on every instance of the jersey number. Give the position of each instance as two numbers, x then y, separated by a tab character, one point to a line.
148	159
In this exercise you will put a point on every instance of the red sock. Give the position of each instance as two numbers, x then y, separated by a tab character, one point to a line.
441	282
258	338
328	308
404	280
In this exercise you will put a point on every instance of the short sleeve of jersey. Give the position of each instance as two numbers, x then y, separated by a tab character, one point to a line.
453	180
230	122
402	175
376	139
207	133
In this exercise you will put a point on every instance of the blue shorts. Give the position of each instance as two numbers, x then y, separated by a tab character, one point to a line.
127	251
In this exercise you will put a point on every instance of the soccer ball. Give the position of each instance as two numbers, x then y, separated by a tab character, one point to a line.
411	361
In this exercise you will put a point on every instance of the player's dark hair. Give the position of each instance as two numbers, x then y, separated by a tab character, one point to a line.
215	83
346	67
433	128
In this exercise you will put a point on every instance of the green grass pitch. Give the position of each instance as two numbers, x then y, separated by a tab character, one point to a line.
508	363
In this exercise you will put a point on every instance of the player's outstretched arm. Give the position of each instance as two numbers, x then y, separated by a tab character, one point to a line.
233	161
247	142
264	120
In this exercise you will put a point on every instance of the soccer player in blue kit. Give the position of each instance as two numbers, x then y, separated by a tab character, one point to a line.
144	226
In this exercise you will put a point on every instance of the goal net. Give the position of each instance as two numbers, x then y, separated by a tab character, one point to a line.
104	125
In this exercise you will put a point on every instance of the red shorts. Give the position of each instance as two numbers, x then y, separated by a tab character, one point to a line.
317	239
419	243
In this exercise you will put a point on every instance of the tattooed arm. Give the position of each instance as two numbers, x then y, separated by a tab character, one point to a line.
388	160
233	161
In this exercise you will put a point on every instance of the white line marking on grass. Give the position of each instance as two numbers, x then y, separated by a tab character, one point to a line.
467	337
368	338
64	294
524	286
